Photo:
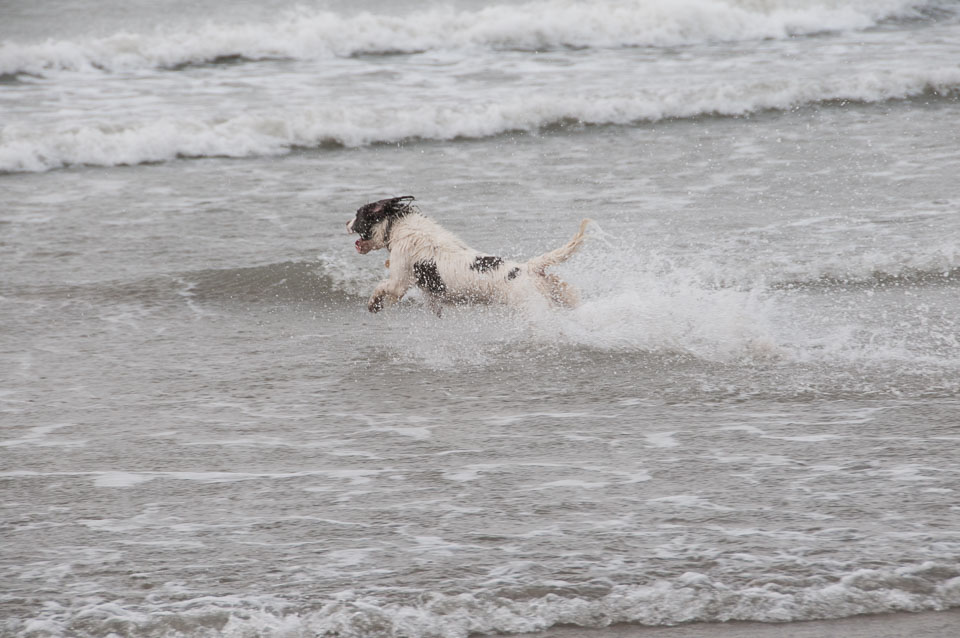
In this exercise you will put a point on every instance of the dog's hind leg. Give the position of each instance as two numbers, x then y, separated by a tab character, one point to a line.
434	304
562	293
559	292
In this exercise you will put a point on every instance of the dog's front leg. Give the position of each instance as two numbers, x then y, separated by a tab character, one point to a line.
382	297
391	290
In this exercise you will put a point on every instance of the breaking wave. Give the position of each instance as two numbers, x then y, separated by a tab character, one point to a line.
539	25
286	282
633	303
935	263
690	597
33	148
320	281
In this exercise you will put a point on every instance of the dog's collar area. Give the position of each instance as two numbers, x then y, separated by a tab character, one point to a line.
388	231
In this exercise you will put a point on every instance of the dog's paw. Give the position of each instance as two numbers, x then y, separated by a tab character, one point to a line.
375	304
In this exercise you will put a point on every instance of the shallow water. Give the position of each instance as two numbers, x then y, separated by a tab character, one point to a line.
752	415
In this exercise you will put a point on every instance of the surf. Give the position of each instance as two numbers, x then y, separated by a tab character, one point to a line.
307	34
140	139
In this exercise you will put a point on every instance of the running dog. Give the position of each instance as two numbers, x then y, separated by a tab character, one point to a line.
448	271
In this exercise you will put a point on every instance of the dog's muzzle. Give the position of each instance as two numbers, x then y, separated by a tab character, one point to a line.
363	245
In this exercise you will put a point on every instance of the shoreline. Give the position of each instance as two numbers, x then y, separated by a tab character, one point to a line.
926	624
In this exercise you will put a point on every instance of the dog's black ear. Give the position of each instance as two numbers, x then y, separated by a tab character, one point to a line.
397	206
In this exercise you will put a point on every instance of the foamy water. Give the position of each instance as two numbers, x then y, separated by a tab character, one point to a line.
304	32
305	79
751	416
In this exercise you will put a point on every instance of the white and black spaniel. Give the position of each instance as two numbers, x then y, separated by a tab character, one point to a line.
448	271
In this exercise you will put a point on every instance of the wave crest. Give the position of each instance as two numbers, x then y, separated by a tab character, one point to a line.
690	597
26	148
539	25
286	282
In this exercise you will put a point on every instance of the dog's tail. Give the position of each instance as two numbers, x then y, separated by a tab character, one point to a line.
541	263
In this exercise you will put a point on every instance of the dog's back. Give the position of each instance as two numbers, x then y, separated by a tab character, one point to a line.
451	272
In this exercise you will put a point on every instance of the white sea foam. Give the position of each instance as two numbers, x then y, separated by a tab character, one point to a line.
661	439
109	141
121	479
690	597
635	302
645	310
40	436
307	33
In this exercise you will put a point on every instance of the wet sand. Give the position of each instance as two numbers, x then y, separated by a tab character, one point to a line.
937	624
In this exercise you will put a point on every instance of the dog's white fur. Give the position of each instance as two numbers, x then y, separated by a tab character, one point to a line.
416	239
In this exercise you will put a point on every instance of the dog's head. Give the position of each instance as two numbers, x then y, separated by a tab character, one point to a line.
369	215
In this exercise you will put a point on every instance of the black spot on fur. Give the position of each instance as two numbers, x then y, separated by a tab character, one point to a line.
428	277
485	264
513	273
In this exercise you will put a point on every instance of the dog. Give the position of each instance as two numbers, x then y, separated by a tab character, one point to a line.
446	270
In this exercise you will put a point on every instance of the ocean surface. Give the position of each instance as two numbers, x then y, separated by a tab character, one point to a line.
754	414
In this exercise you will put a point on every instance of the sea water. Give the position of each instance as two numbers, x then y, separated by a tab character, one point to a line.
754	414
